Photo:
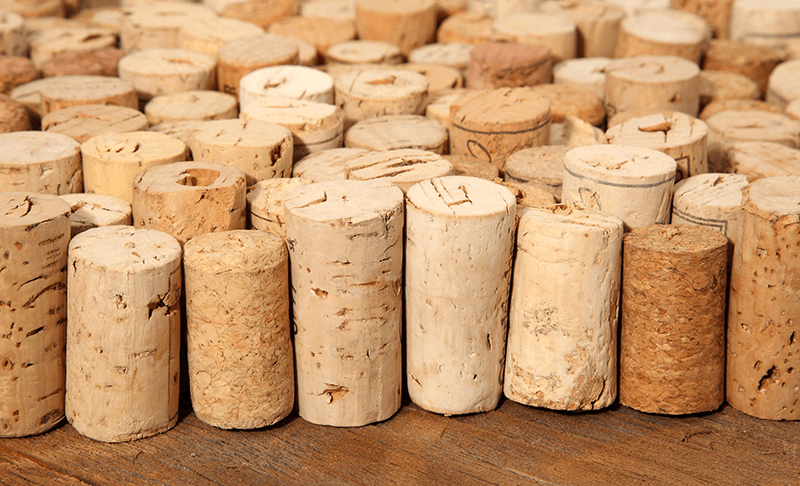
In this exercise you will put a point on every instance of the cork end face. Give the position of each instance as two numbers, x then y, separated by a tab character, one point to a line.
30	209
461	197
778	196
680	239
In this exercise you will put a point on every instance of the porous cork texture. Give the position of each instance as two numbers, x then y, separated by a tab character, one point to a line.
672	325
40	162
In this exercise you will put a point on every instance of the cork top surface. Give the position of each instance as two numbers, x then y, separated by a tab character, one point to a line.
77	86
364	51
396	131
528	195
720	85
558	216
218	30
668	26
455	54
321	34
190	176
182	130
653	69
24	148
133	147
96	209
508	54
461	197
676	239
542	162
737	53
296	82
504	108
301	115
163	14
764	159
585	69
465	27
567	99
124	249
10	20
29	94
190	105
718	190
719	106
85	121
346	201
14	116
472	166
236	250
658	131
784	79
159	62
258	50
29	208
403	167
778	196
620	164
388	84
395	6
626	115
539	23
264	194
326	165
585	10
439	77
240	133
768	126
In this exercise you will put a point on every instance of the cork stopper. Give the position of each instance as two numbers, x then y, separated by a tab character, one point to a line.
13	115
663	33
572	100
321	35
191	105
246	54
163	71
89	211
66	91
737	105
473	167
86	121
468	27
265	203
326	165
97	62
763	159
509	64
392	132
42	162
15	71
539	166
403	168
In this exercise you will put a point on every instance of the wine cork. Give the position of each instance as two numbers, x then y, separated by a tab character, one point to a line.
652	82
755	62
247	54
680	136
438	105
207	34
562	356
527	195
75	90
403	168
326	165
710	200
34	234
295	82
111	160
53	42
765	23
588	73
363	52
321	35
574	132
554	31
365	93
721	85
89	211
793	110
241	366
635	6
348	355
182	130
729	127
255	11
40	162
597	23
491	125
408	24
28	94
501	8
716	12
465	165
459	245
96	62
35	26
106	16
440	78
13	115
455	55
191	105
12	35
542	167
737	105
86	121
508	65
663	33
123	385
37	9
265	203
157	25
15	71
762	344
155	72
781	87
392	132
672	325
344	10
628	115
763	159
260	149
314	126
632	183
467	27
572	100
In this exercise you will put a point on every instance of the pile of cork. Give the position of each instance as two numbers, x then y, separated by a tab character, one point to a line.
316	205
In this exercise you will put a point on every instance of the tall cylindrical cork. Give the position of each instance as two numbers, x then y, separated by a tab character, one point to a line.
459	246
632	183
347	298
123	336
187	199
34	234
762	375
672	325
241	366
89	211
710	200
560	355
597	22
265	203
406	23
40	162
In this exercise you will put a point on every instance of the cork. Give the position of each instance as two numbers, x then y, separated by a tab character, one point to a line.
34	10
326	165
574	132
459	245
501	8
588	73
37	25
408	24
156	71
314	126
438	105
403	168
755	62
207	34
717	13
791	48
157	25
527	195
729	127
15	71
464	165
111	160
765	23
762	344
710	200
83	122
631	183
56	41
508	65
13	115
363	52
75	90
672	322
295	82
96	62
781	89
40	162
246	54
255	11
441	79
793	110
721	85
562	356
737	105
572	100
265	203
635	6
347	300
241	365
34	234
491	125
680	136
365	93
455	55
665	82
392	132
539	166
763	159
597	23
467	27
182	130
628	115
123	385
89	211
321	35
663	33
344	10
100	15
191	105
12	35
554	31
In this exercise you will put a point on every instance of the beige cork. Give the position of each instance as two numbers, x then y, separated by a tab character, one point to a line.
40	162
672	324
765	23
508	65
83	122
365	93
467	27
326	165
722	85
89	211
295	82
13	116
588	73
96	62
15	71
572	100
464	165
56	41
76	90
441	79
761	378
239	348
34	234
710	200
408	24
207	34
527	195
574	132
737	105
763	159
628	115
539	166
12	35
164	71
157	24
455	55
552	30
344	10
321	35
392	132
246	54
182	130
597	22
560	355
438	105
363	52
755	62
265	203
403	167
459	245
347	300
716	12
123	336
258	12
663	33
32	10
782	86
191	105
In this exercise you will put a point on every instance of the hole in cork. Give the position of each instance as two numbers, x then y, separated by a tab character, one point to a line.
376	82
198	177
91	37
